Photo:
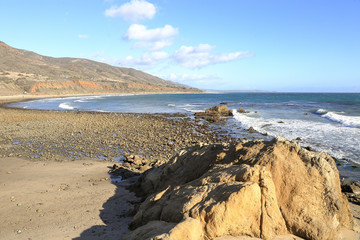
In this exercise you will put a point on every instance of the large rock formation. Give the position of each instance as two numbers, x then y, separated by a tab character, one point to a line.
255	188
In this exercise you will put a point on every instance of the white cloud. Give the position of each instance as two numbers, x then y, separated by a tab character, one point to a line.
140	32
185	77
147	60
199	56
155	39
133	11
83	36
154	46
196	80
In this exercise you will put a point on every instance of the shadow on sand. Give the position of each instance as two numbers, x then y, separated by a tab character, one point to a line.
114	213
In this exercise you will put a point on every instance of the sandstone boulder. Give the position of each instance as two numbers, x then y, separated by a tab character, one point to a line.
220	109
241	110
215	114
254	188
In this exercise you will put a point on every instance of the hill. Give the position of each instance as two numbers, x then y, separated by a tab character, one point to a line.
22	70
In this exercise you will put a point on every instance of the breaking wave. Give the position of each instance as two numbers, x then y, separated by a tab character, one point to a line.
347	121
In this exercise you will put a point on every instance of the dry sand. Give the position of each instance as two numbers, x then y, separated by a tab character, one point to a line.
67	200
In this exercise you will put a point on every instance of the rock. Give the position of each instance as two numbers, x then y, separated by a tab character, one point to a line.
124	173
254	188
215	113
352	187
352	191
188	229
220	109
309	148
251	129
241	110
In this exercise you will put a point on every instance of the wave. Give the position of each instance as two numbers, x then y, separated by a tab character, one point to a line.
348	121
193	111
324	137
66	106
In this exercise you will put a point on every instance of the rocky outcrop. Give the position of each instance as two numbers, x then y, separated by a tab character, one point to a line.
254	188
214	114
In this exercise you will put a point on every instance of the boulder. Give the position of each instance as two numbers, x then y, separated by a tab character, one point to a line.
253	188
215	114
220	109
241	110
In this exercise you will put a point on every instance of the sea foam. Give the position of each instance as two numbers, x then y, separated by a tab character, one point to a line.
321	136
348	121
66	106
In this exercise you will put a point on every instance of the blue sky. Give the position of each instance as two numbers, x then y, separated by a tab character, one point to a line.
273	45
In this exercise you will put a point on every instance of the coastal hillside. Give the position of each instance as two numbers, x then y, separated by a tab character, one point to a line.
25	71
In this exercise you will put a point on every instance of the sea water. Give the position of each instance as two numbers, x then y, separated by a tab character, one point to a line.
328	122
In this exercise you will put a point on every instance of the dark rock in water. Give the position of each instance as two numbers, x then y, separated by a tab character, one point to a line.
251	129
223	103
241	110
298	139
280	122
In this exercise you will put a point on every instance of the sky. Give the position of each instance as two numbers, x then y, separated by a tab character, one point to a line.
269	45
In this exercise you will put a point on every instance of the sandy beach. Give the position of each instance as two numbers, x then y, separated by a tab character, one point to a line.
61	200
54	177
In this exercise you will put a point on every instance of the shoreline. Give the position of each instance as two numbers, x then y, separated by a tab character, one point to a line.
29	97
60	138
348	171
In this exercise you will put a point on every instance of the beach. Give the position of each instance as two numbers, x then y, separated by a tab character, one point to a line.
61	200
55	165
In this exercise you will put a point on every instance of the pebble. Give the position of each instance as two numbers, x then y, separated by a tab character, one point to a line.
53	135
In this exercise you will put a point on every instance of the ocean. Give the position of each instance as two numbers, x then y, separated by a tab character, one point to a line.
328	122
